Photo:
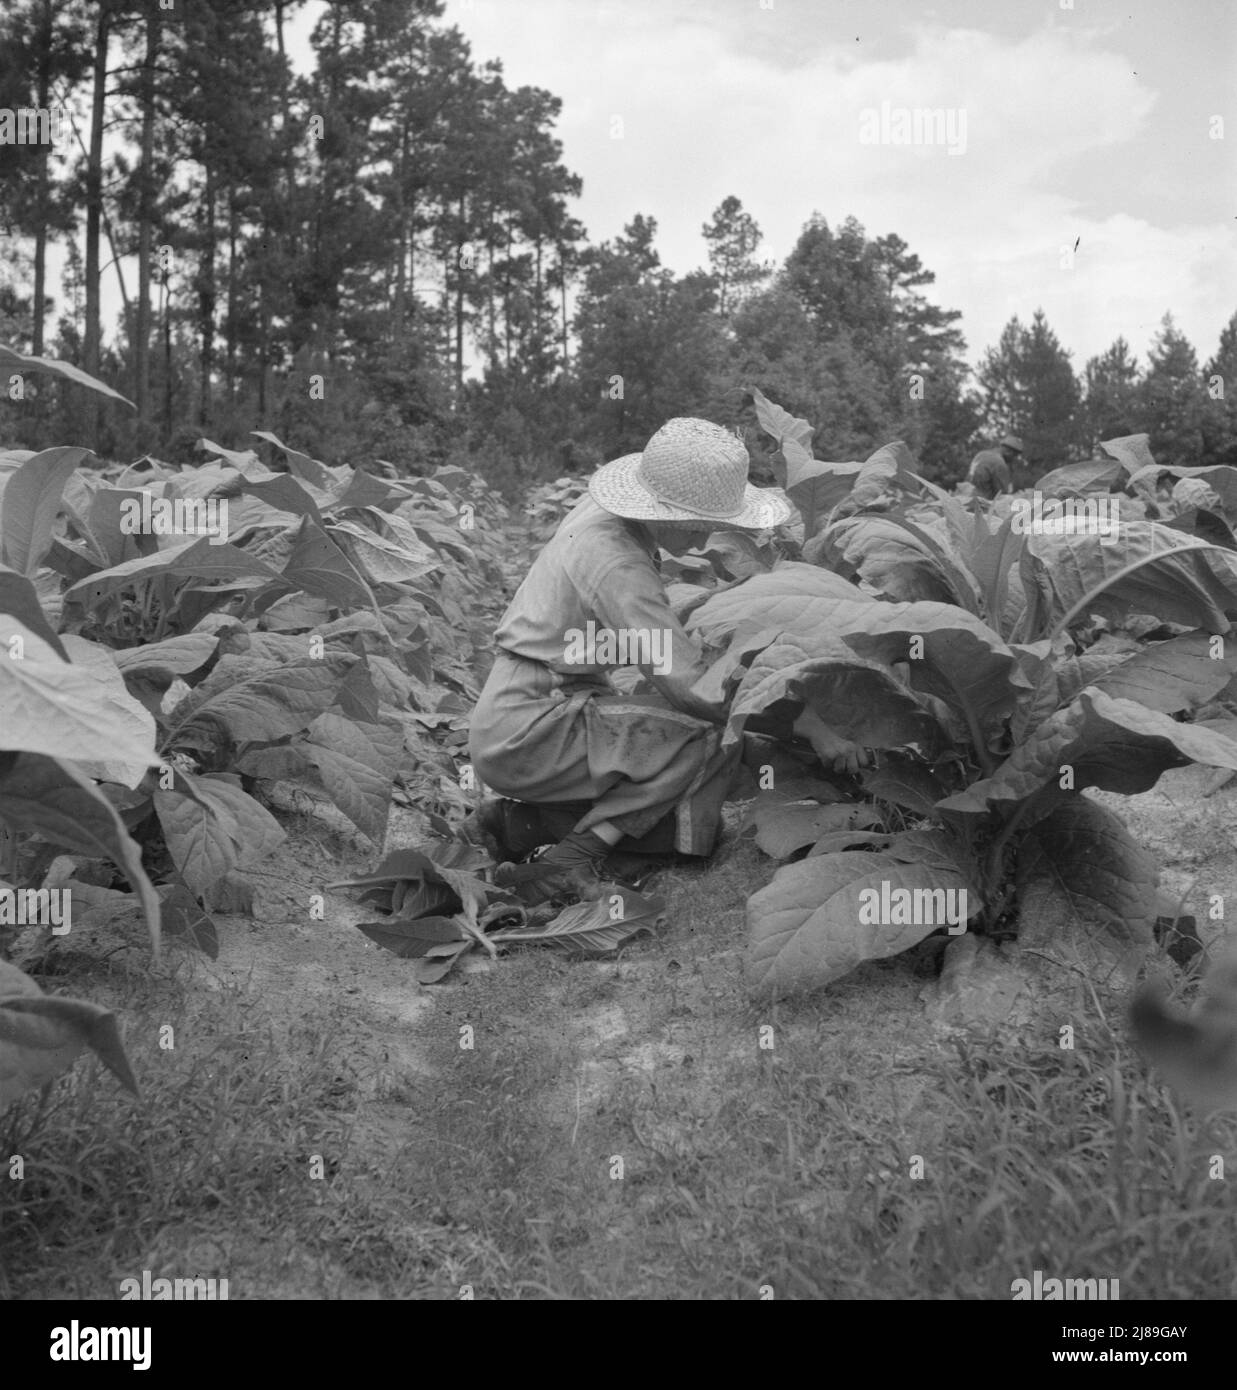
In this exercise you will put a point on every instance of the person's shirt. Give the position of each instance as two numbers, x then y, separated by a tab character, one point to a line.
990	473
600	569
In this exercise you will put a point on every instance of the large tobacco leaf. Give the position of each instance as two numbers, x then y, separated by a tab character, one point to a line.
902	559
259	700
61	804
357	762
781	599
1096	741
1081	850
948	653
905	781
280	491
319	566
42	1035
31	500
407	871
308	470
805	927
814	487
1153	569
410	937
1097	475
196	558
1179	674
862	700
117	706
1219	480
218	829
786	826
595	927
381	561
69	710
20	599
52	366
177	656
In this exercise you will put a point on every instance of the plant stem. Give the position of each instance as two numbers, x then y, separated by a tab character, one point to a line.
997	853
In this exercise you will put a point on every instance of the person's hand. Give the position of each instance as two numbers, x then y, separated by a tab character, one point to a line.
835	753
840	754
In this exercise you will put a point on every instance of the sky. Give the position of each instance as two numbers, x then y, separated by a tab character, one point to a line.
1064	123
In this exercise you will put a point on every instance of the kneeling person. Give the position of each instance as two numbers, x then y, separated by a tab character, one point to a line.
584	765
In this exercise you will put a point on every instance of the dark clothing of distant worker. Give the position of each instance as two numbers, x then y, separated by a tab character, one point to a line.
989	474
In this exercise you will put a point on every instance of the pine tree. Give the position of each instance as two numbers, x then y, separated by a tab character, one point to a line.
1220	400
1028	387
1171	398
733	238
1054	398
650	345
893	359
1110	404
44	51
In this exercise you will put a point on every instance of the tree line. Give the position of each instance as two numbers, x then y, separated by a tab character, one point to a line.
379	259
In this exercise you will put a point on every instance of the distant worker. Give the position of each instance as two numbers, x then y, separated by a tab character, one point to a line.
989	472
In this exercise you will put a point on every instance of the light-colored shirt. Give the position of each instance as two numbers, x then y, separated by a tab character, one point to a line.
601	568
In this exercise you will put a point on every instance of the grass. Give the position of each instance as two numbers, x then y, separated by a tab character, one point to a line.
616	1130
218	1149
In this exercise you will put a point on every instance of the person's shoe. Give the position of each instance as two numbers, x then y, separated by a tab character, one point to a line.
571	869
511	830
487	827
536	883
634	869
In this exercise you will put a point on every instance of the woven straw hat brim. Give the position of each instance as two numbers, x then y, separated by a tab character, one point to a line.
615	487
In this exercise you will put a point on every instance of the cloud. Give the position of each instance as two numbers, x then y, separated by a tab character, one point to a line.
1060	136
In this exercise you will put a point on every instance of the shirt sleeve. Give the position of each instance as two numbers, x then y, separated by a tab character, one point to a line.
628	593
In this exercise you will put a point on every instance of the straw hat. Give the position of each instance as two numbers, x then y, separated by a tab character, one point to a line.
691	470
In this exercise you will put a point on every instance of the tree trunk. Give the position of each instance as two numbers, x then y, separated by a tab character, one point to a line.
507	297
283	60
145	224
401	216
206	299
40	230
492	340
166	308
538	305
229	327
92	337
562	265
264	328
459	299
